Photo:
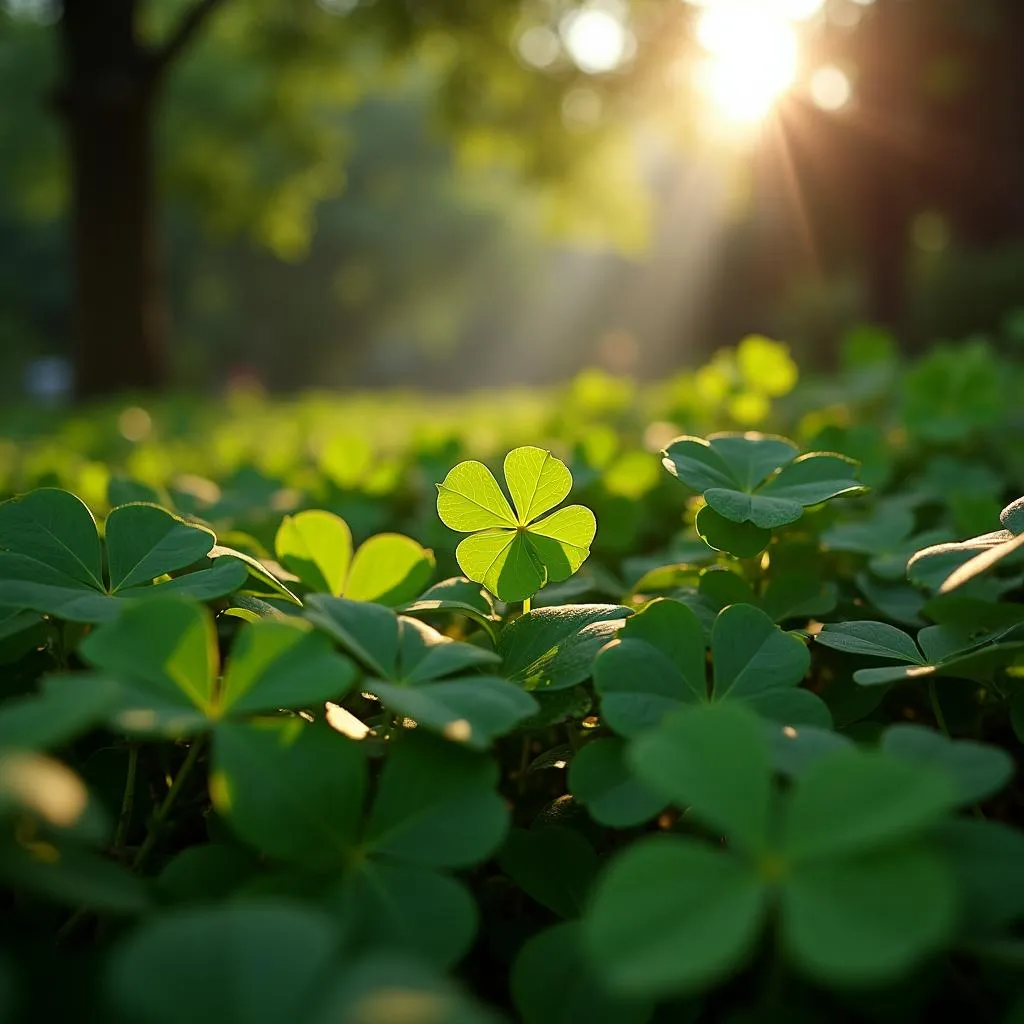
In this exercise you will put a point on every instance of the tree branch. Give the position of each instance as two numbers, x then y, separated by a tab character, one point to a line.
189	25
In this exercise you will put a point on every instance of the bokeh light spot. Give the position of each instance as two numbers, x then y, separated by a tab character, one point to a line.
830	88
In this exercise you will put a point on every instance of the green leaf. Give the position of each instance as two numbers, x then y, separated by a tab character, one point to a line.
976	769
67	706
868	919
751	654
474	710
857	800
390	569
413	909
293	790
986	857
55	530
224	577
715	760
369	632
553	982
672	916
798	596
258	963
657	664
279	664
436	805
600	778
752	457
814	478
205	873
455	596
255	568
27	583
470	499
554	648
744	540
504	562
537	482
552	864
145	541
874	639
165	650
764	512
513	557
562	540
71	876
317	547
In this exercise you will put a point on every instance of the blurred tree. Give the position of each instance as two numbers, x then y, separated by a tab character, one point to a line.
233	105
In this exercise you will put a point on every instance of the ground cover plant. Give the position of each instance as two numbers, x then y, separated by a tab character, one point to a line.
695	701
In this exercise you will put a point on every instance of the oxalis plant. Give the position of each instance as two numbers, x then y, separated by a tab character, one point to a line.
288	769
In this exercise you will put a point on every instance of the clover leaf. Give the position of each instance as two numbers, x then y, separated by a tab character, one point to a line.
514	554
164	655
943	650
658	663
756	483
52	559
418	673
299	792
844	855
317	547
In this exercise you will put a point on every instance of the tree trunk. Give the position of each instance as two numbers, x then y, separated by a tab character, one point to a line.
108	102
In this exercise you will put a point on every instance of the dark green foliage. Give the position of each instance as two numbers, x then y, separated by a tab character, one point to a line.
686	785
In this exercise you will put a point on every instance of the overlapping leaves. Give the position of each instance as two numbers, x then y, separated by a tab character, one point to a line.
421	674
52	559
861	894
659	663
943	650
754	483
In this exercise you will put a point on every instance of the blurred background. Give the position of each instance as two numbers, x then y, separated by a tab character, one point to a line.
458	193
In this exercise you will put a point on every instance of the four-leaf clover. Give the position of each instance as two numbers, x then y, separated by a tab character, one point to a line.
514	554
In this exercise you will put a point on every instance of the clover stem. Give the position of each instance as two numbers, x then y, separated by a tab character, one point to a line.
526	605
160	816
940	718
124	819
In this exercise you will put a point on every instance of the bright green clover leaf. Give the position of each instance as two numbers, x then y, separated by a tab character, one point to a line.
298	792
658	664
52	561
939	651
317	547
514	554
755	482
946	567
418	673
163	653
862	896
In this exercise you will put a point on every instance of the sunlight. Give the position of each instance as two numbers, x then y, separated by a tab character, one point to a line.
752	60
597	39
